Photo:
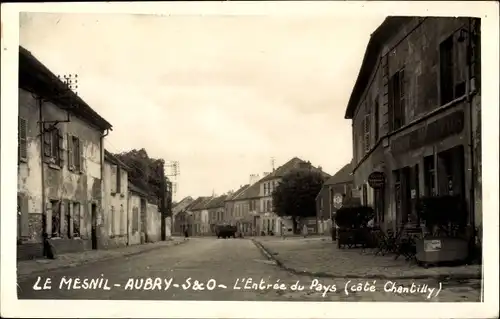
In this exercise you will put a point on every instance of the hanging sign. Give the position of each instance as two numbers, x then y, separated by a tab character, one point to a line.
337	201
376	180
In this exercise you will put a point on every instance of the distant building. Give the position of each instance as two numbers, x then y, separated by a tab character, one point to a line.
179	216
268	221
229	211
199	213
60	164
215	212
335	190
415	111
246	208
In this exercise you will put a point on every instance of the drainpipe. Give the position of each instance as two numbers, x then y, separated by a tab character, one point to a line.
471	138
102	172
42	147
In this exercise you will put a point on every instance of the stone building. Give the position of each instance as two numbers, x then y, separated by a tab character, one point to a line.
179	215
267	220
60	164
229	211
415	111
216	212
246	208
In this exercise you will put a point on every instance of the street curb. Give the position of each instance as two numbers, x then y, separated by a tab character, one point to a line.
294	271
87	262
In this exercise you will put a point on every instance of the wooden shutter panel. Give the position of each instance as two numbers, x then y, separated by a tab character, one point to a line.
60	149
47	142
402	97
81	158
25	232
22	138
71	163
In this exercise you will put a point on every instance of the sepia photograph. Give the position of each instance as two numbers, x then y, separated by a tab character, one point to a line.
245	156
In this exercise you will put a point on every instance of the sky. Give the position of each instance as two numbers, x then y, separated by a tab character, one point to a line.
222	95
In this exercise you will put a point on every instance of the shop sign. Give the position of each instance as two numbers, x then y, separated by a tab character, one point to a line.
376	180
434	132
337	200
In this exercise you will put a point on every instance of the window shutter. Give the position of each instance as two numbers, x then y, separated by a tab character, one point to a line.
402	97
71	163
24	216
47	139
22	138
367	132
60	149
81	157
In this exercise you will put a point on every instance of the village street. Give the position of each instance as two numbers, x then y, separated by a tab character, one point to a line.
229	263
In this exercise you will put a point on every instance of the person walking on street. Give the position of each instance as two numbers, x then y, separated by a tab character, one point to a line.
283	231
304	230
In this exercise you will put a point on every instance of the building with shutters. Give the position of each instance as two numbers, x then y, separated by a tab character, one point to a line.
415	111
267	221
116	218
60	164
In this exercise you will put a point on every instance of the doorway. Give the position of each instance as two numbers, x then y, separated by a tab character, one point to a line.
94	225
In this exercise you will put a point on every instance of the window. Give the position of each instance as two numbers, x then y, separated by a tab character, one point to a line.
397	100
452	67
118	179
376	120
365	195
22	144
75	157
265	189
366	133
56	218
76	219
446	70
53	145
429	176
123	220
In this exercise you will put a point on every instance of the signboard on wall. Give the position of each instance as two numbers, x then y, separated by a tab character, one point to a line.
376	180
337	201
436	131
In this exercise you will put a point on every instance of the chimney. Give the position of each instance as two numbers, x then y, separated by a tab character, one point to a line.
320	168
254	178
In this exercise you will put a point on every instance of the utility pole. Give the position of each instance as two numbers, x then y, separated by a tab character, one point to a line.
163	193
167	193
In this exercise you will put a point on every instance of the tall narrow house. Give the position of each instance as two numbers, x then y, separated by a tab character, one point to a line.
60	164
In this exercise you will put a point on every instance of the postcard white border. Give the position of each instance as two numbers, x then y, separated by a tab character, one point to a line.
488	11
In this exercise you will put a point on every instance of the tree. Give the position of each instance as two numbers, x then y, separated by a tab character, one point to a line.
296	194
147	173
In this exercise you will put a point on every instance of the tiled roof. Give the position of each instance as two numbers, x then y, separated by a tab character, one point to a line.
136	189
250	192
198	203
289	166
108	156
35	77
241	189
344	175
216	202
183	204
